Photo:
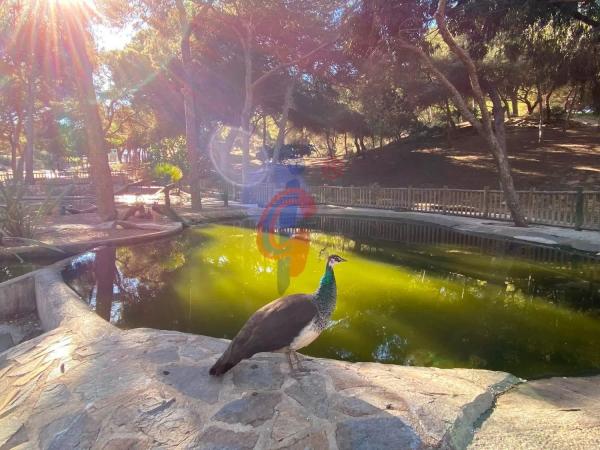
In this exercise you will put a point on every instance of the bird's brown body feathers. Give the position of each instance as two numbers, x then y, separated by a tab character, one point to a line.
271	328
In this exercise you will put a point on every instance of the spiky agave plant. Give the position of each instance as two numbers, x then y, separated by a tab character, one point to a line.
20	218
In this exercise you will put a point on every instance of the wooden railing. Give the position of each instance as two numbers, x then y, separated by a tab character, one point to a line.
579	209
80	176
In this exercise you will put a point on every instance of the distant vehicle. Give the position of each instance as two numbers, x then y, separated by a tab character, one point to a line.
586	110
293	150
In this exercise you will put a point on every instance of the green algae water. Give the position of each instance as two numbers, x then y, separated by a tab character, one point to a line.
409	294
9	270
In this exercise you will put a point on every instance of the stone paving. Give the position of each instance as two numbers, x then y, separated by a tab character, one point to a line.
555	413
151	389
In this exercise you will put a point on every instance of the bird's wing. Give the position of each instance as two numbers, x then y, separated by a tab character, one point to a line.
274	326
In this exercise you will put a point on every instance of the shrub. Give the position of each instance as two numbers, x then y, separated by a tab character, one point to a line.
19	218
167	172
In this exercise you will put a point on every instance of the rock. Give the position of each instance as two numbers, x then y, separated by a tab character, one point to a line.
376	433
554	413
215	438
252	409
353	406
193	381
309	391
163	355
289	424
72	431
6	341
127	443
213	345
53	397
312	441
11	431
345	378
257	375
194	352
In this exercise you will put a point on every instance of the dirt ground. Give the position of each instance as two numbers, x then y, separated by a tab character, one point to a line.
561	161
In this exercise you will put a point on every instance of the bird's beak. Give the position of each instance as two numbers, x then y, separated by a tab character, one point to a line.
342	259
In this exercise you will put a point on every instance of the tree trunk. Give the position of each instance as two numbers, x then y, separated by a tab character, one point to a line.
498	145
492	131
506	105
541	119
98	156
330	149
515	106
287	104
548	109
569	103
346	143
191	120
246	114
357	145
363	147
13	159
29	129
105	272
450	125
264	133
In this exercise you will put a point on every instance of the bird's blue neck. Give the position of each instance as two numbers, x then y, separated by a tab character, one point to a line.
326	294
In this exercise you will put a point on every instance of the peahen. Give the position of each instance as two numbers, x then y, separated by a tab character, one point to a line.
284	325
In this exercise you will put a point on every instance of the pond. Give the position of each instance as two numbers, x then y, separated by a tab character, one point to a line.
9	270
409	294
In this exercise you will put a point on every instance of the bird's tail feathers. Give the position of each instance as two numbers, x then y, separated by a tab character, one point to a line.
224	363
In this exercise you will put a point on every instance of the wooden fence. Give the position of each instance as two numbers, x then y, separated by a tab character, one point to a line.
80	176
579	209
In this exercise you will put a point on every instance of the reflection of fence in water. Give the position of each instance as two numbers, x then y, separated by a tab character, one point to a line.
370	231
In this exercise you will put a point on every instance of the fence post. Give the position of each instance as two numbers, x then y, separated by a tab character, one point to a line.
225	194
579	208
445	200
410	202
530	204
486	200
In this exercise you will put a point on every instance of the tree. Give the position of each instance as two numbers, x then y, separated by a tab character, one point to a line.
407	26
78	44
269	49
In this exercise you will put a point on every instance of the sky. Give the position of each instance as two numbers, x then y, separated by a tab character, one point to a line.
112	38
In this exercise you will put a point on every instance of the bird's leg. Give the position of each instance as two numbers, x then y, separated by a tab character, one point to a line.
298	363
289	355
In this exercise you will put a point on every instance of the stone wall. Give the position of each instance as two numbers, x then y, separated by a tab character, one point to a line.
17	296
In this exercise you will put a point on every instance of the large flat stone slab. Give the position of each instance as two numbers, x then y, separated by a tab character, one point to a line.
148	388
555	413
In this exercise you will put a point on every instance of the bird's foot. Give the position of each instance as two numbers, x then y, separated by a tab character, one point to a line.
301	370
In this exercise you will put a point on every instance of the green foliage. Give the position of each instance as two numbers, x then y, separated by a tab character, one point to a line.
167	171
18	218
169	150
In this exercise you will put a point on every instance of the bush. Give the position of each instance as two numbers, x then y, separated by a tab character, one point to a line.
167	172
19	218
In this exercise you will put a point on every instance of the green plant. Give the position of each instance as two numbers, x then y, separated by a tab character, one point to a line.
20	218
168	172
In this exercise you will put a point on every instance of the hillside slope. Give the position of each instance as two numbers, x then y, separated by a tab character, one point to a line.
563	160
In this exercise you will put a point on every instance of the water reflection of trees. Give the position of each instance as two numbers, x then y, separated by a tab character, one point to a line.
523	270
115	281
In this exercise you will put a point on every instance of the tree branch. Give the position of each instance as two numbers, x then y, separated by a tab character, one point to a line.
282	66
458	98
440	18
